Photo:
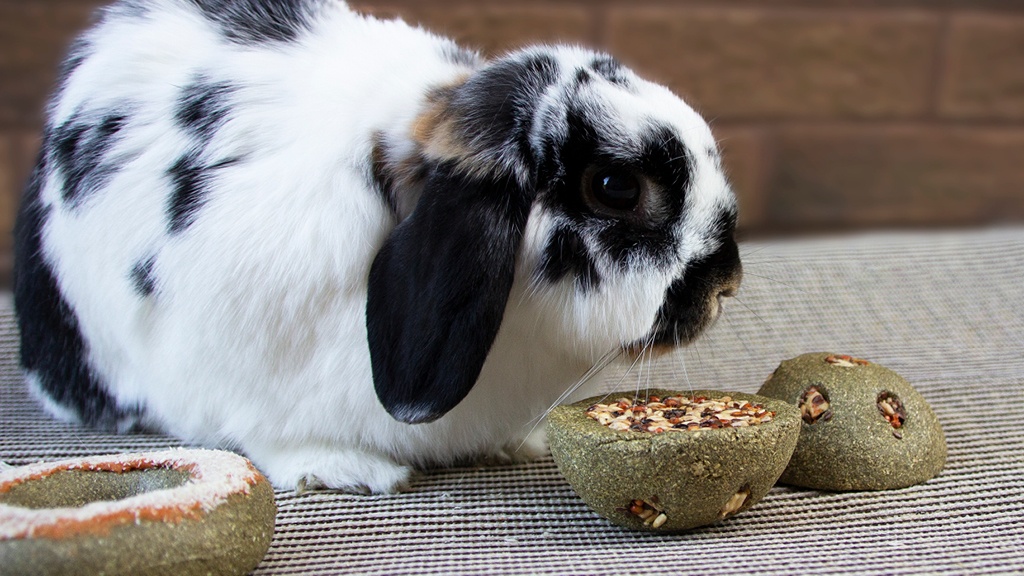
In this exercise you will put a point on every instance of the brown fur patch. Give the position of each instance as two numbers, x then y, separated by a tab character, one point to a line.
434	128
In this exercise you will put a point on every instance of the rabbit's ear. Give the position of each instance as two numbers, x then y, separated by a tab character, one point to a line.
438	288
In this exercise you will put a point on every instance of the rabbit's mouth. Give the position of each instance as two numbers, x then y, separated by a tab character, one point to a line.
671	333
693	302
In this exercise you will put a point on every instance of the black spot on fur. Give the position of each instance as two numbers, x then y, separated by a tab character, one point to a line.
190	180
611	70
250	22
566	255
142	277
203	107
582	77
460	56
79	149
52	346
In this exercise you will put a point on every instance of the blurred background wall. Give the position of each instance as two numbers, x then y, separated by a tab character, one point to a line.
834	115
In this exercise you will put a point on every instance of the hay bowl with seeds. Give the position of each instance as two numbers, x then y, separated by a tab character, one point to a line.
864	427
670	461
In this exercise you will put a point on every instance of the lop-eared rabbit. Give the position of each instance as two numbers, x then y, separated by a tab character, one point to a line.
347	247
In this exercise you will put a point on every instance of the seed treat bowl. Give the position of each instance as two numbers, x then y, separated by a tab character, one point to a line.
669	461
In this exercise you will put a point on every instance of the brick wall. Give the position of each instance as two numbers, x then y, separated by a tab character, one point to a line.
834	114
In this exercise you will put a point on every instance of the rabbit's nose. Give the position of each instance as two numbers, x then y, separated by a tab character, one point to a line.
727	292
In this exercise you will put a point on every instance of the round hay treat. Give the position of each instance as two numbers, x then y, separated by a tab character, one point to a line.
864	426
171	512
668	471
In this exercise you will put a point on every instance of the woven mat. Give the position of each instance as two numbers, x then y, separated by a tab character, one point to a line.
946	310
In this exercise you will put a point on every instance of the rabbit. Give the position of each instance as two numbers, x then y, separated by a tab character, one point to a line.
347	247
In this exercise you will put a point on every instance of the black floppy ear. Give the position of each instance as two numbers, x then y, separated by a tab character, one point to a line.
438	288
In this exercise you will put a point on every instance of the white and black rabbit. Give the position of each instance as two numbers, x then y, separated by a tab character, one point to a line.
347	247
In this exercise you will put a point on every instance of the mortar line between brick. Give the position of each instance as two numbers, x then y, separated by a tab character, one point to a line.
987	6
988	124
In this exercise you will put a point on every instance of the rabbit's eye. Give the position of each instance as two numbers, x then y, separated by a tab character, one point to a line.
616	188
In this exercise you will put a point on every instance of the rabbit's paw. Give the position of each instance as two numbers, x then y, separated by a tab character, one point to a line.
533	446
346	470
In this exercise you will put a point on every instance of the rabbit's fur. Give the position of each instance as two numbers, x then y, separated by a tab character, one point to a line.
347	247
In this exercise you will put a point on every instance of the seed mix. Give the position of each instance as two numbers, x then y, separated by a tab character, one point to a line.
678	414
814	406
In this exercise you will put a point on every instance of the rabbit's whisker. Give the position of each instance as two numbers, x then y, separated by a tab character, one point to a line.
602	363
645	356
751	251
770	279
755	314
686	374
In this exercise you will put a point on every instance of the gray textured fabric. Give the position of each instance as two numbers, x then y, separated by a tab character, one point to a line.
946	310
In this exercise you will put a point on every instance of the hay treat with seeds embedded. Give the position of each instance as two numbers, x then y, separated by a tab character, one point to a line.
174	512
670	461
864	426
